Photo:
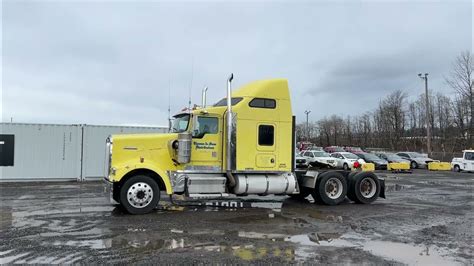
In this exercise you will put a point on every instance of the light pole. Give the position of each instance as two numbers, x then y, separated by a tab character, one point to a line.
307	124
427	102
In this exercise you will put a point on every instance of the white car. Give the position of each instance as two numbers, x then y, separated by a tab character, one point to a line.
319	156
417	160
466	163
346	160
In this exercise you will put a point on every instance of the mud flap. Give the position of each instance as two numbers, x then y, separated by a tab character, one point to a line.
382	188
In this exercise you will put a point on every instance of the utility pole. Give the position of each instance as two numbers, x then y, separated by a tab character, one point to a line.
428	117
307	124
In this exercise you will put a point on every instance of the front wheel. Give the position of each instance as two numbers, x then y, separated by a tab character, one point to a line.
457	168
413	165
140	194
331	188
345	167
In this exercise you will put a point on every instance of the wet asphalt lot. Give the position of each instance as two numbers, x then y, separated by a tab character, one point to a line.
427	218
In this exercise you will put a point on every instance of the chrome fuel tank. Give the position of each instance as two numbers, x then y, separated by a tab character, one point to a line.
284	183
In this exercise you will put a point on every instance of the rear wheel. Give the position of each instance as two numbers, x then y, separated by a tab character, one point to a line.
140	194
350	186
365	188
331	188
413	165
457	168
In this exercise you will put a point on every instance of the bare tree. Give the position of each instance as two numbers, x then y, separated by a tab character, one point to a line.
461	80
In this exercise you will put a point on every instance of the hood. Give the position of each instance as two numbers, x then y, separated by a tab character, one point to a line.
151	141
422	159
324	158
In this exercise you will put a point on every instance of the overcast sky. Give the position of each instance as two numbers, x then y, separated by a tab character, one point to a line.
111	62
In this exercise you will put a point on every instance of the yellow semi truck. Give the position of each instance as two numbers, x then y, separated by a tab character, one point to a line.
242	145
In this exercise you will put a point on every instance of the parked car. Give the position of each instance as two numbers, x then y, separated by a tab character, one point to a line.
416	159
346	160
315	158
301	161
466	163
353	149
378	162
391	157
331	149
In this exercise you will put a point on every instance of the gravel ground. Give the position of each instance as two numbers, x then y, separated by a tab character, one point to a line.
427	218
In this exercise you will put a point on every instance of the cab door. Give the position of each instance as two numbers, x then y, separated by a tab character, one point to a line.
468	161
206	151
266	156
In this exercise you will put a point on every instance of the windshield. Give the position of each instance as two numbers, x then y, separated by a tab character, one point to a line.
417	155
180	123
370	156
223	102
350	156
321	154
394	157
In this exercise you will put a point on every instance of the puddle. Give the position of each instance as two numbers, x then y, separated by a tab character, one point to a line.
10	259
92	244
401	252
256	235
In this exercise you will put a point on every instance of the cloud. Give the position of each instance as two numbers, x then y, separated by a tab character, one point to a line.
113	62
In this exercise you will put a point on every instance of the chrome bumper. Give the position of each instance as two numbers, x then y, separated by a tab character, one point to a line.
109	191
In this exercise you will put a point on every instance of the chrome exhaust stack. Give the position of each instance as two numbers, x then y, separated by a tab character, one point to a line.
204	95
228	147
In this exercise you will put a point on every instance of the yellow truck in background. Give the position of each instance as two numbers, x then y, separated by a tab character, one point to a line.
242	145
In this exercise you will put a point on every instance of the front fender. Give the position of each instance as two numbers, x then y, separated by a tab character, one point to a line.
127	168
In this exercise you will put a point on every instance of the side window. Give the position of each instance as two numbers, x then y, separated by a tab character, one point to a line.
469	156
266	135
403	155
306	154
311	155
205	125
263	103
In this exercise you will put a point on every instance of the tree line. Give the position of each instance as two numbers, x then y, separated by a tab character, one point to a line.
399	123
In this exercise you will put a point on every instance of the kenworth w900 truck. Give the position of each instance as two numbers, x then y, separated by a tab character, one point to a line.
242	145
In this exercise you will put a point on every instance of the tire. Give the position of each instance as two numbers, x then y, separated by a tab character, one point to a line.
346	167
456	168
413	165
365	187
331	188
139	195
350	186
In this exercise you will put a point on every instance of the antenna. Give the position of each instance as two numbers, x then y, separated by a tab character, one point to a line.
169	105
191	84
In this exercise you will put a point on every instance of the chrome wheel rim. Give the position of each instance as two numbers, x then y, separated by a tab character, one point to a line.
140	195
367	187
333	188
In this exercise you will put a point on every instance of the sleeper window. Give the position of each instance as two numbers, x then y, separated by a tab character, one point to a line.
266	135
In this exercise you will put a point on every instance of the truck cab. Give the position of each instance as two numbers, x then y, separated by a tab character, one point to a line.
466	163
242	145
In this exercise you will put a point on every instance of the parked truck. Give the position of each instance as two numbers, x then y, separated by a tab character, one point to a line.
466	163
242	145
